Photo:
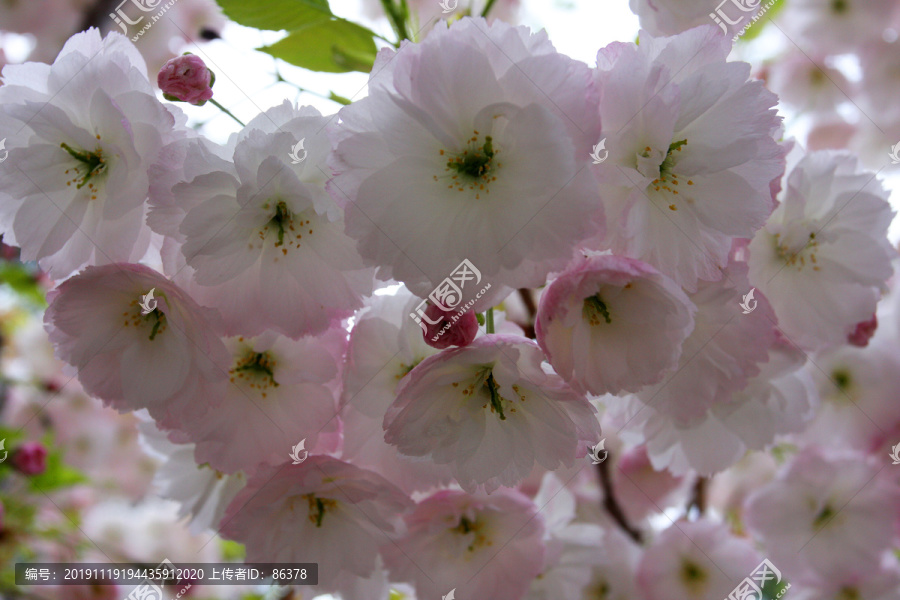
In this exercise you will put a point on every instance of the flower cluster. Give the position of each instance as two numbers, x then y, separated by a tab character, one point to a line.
452	293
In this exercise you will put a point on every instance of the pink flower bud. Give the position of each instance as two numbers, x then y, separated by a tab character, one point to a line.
449	332
30	458
186	79
863	333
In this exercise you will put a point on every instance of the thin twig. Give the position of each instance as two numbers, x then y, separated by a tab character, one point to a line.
531	307
612	505
698	496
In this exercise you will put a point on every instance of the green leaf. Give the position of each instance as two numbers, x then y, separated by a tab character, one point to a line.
57	475
22	281
757	27
335	46
276	15
232	550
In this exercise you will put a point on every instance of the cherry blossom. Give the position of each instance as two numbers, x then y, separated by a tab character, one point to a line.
591	316
341	512
482	546
168	360
825	514
88	129
490	412
823	257
501	163
690	163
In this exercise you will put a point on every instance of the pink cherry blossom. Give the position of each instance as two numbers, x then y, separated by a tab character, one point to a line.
385	345
826	514
698	560
169	360
262	241
276	397
87	130
490	412
341	512
482	546
823	257
694	171
611	324
497	148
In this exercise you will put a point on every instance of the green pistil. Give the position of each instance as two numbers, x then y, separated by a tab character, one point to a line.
669	161
157	323
841	378
475	164
320	507
496	399
594	306
823	517
259	363
465	526
94	161
282	217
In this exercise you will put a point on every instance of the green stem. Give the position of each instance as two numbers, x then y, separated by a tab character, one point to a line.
226	111
489	320
487	8
397	19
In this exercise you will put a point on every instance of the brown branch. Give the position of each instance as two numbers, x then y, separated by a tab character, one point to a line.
612	505
698	496
531	307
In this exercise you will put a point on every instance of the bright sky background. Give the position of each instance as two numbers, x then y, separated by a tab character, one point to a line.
245	78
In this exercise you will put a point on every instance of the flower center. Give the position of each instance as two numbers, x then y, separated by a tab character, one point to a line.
849	593
91	164
842	379
795	253
488	388
257	369
597	590
136	318
692	575
839	6
318	507
475	530
594	309
474	167
824	516
287	227
667	181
